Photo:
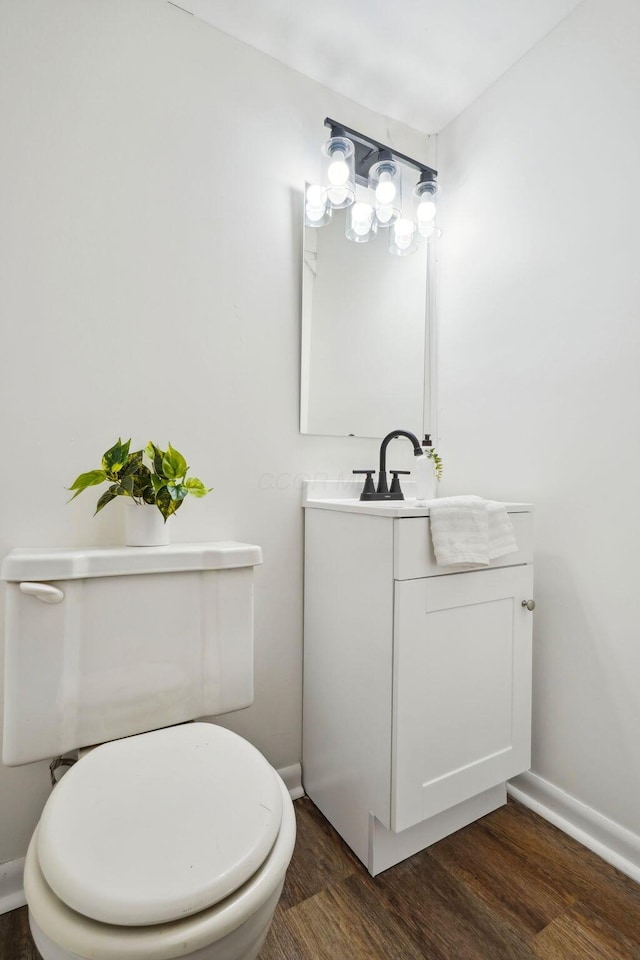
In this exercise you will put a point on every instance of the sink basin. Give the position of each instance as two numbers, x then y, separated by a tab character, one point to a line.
407	503
344	495
385	508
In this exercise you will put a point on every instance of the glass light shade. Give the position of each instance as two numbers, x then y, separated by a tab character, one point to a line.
338	172
385	180
403	237
424	195
361	223
317	211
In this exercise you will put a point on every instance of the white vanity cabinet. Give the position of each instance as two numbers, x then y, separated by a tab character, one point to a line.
417	681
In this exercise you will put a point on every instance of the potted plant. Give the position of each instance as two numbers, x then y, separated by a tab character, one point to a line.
163	484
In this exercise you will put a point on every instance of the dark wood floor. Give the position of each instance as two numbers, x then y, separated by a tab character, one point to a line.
509	887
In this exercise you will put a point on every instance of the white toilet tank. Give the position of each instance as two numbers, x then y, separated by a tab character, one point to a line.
103	643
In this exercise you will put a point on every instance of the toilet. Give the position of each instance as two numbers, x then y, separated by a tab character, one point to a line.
170	837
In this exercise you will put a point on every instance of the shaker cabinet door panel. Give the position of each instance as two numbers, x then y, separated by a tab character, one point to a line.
462	688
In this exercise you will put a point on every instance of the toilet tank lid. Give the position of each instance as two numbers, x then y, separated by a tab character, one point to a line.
74	563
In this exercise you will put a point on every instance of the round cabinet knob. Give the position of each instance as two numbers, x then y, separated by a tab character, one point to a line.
529	604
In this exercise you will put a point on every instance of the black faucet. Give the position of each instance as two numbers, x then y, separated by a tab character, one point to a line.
383	492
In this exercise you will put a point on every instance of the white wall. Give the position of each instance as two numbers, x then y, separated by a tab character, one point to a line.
150	272
539	359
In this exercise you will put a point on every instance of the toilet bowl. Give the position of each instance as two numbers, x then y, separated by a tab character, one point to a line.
168	844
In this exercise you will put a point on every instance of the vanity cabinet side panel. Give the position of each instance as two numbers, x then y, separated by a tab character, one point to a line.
348	660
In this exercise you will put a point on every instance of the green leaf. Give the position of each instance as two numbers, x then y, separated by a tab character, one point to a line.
126	485
166	505
106	498
196	487
174	465
177	491
89	479
85	480
156	455
149	496
115	458
142	484
157	482
132	464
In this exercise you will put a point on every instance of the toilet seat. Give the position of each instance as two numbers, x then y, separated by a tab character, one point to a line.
81	937
159	826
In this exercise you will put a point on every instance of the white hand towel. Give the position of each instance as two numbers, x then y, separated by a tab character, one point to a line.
470	530
460	530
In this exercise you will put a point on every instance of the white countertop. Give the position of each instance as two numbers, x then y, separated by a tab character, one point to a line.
344	496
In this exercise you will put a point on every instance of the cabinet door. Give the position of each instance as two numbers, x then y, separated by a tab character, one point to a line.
462	688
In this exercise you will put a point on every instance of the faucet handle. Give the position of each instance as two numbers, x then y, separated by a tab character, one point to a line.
369	487
395	482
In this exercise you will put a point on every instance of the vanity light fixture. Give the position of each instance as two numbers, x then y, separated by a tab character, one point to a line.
350	158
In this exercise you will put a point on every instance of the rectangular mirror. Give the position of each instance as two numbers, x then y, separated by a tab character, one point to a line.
365	343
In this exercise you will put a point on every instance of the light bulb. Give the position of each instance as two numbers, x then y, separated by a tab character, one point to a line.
337	196
362	212
338	170
427	229
361	223
426	211
404	227
314	213
385	215
385	190
314	195
403	237
361	218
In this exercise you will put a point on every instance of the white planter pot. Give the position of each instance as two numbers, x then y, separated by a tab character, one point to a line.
144	526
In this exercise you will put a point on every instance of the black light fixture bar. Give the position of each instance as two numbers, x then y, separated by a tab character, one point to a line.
367	151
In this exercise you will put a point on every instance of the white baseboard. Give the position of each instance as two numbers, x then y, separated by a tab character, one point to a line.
292	777
615	844
11	891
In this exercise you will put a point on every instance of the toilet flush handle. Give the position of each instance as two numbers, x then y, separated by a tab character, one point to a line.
43	591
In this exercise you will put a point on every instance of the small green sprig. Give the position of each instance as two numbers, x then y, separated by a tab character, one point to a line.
164	484
438	465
